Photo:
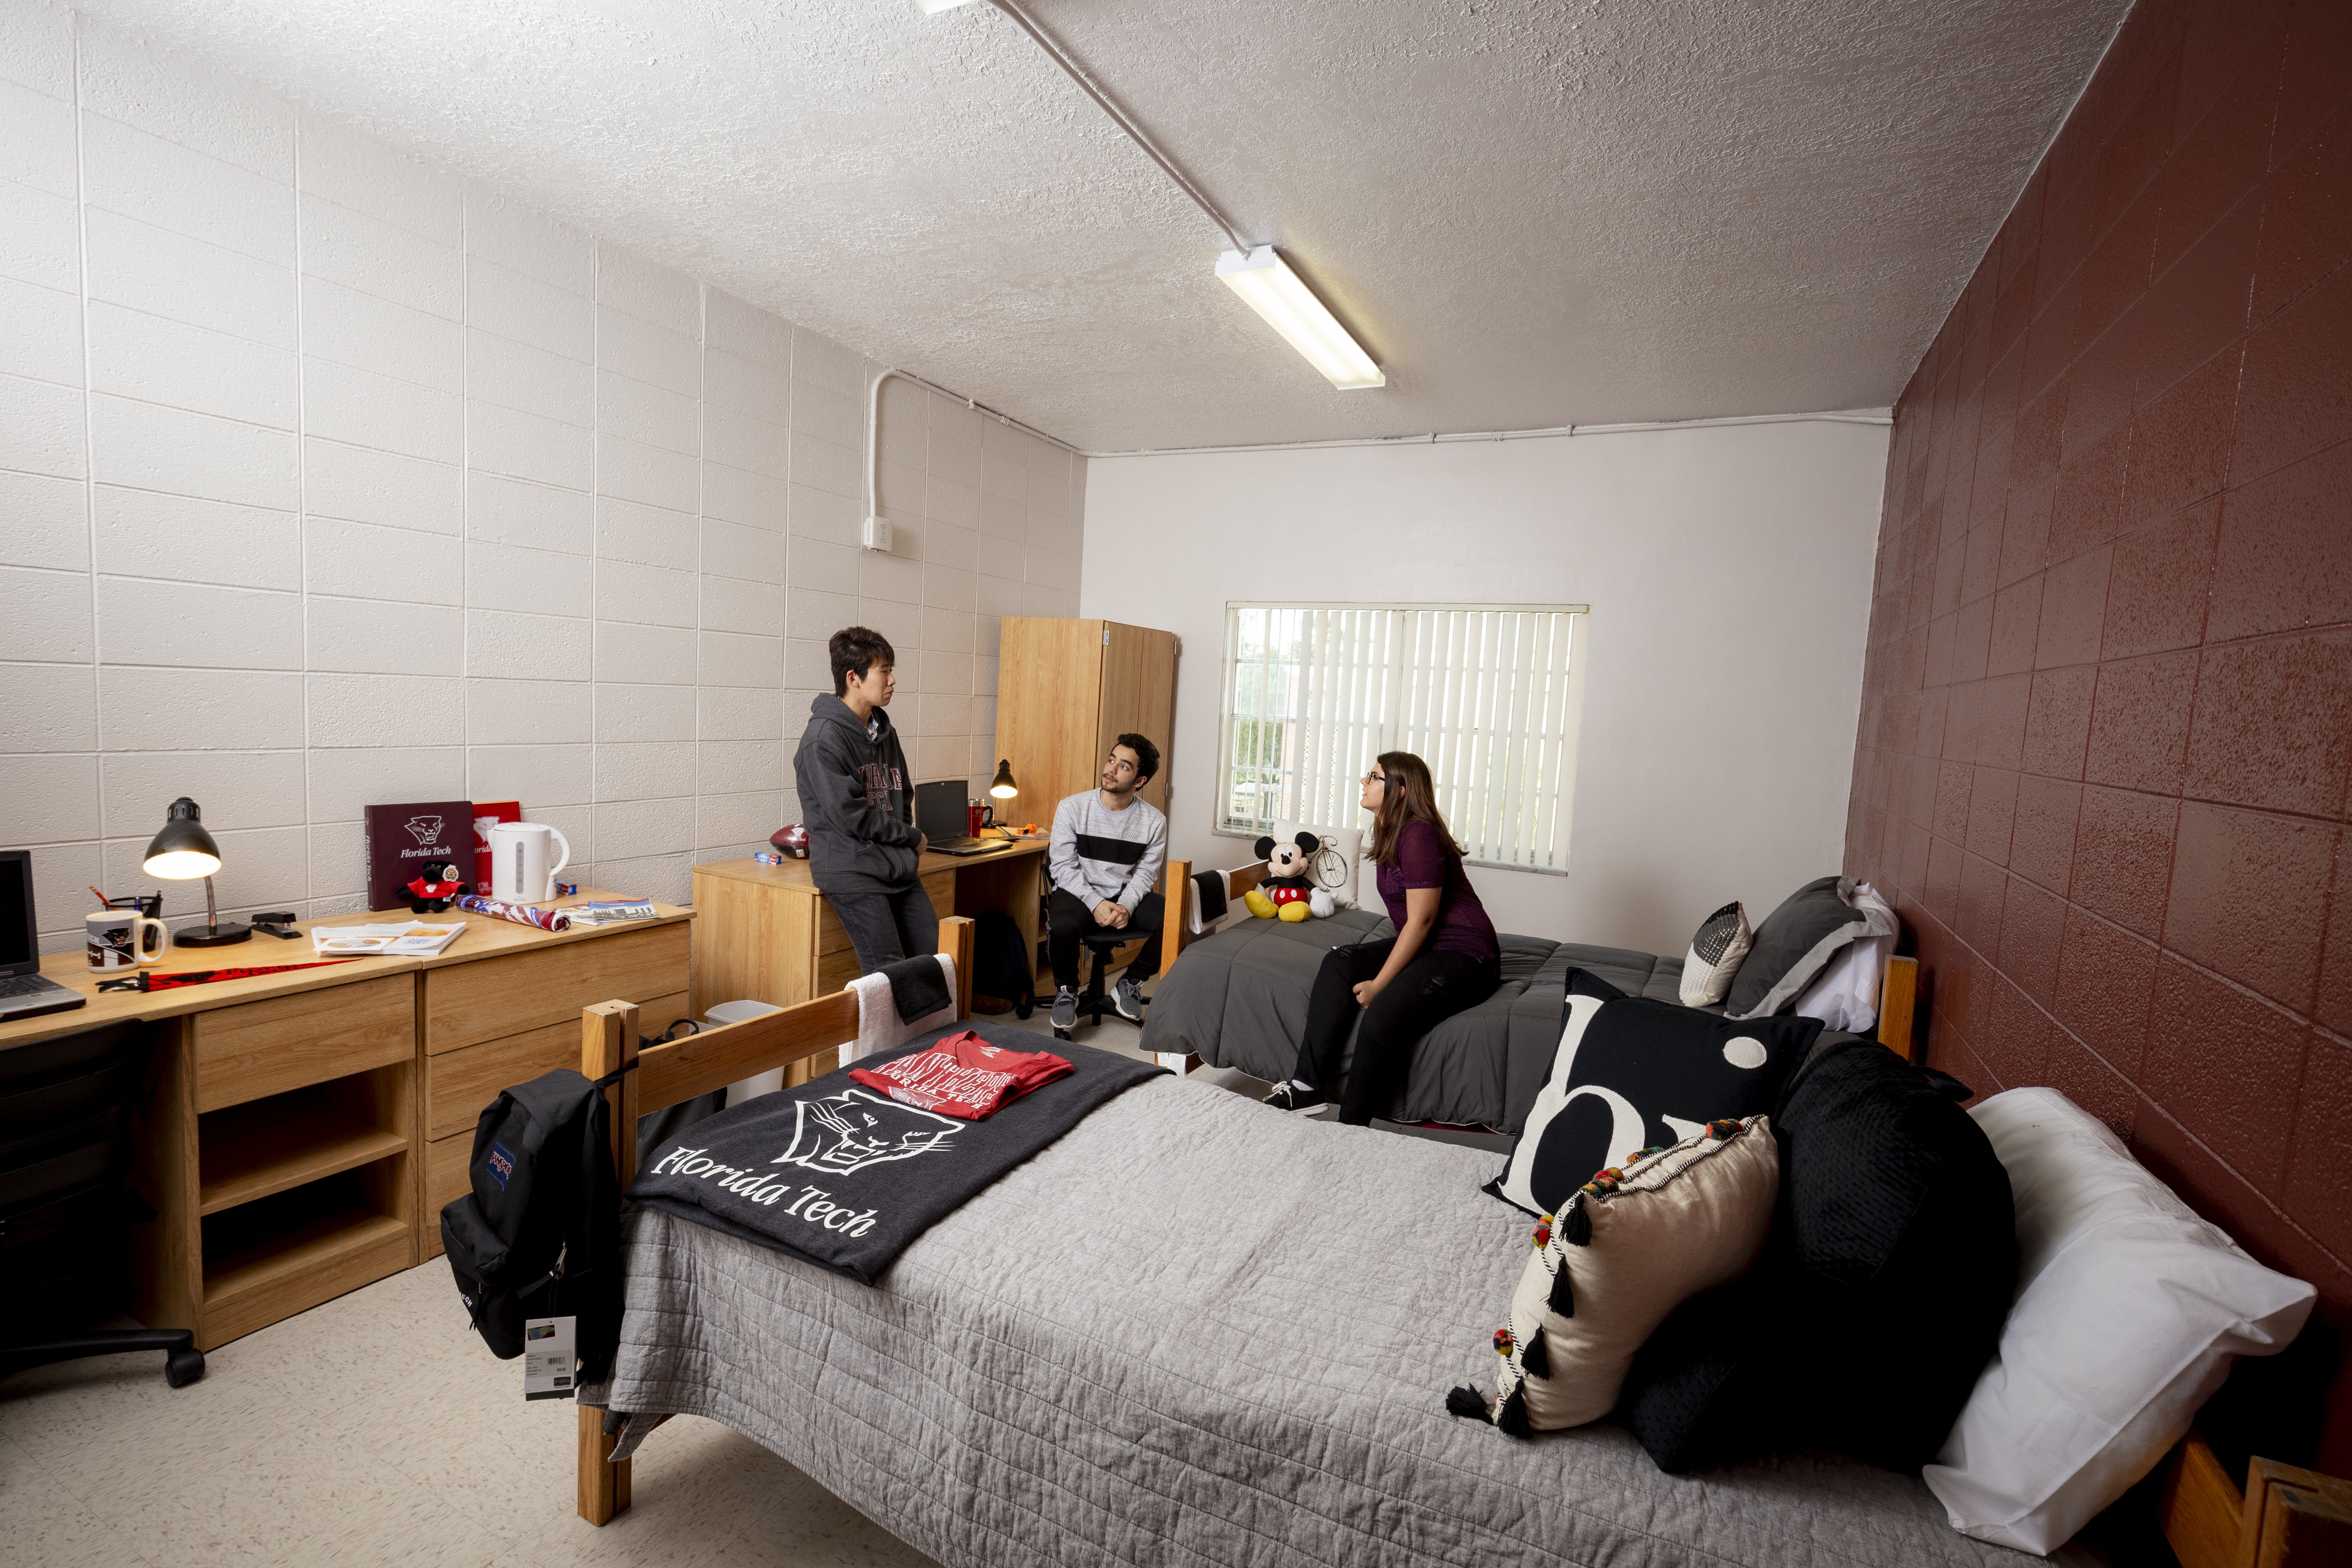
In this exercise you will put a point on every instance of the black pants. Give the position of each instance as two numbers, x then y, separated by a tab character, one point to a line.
884	923
1430	989
1068	918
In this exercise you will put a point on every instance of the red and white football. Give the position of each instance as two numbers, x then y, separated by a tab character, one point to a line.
791	841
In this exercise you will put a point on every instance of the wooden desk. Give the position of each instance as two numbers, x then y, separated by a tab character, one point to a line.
294	1136
768	935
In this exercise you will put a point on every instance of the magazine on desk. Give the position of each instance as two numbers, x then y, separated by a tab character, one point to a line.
409	939
610	911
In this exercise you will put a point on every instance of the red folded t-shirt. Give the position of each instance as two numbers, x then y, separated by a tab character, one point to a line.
963	1075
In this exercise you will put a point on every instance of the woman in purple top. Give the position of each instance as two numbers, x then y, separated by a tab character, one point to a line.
1443	960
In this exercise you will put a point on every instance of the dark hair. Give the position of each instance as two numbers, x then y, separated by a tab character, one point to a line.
1147	756
1408	796
855	648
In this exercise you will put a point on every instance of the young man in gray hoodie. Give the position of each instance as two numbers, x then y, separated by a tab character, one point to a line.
858	804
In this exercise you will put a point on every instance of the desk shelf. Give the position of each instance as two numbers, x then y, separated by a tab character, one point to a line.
275	1255
265	1146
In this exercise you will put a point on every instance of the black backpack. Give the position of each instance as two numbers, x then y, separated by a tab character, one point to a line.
998	966
539	1235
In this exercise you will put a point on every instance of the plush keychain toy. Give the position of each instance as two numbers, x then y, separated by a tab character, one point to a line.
431	893
1288	892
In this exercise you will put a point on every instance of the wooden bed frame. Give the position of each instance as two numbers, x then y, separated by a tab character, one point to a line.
670	1074
1898	988
2285	1518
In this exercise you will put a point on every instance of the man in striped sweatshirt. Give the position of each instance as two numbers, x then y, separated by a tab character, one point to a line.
1106	852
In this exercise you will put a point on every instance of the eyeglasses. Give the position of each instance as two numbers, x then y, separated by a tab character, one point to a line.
1376	776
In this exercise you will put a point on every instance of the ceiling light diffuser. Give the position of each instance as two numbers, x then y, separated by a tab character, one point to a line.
1271	289
933	7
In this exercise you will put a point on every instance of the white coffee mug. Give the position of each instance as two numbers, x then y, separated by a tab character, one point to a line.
123	939
519	871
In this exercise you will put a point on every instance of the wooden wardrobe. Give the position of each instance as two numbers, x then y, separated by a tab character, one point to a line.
1066	690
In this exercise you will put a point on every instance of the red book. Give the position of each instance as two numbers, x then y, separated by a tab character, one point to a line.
401	838
488	814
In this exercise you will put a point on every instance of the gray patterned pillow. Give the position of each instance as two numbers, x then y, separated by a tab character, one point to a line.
1722	942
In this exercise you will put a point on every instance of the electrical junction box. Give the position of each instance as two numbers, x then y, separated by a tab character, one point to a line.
876	534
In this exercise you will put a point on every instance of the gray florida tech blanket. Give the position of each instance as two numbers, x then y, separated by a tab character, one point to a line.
846	1176
1238	999
1197	1333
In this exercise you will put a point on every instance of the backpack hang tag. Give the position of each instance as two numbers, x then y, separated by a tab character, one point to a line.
549	1357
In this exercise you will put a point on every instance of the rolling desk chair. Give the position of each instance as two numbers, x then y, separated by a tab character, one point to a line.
65	1164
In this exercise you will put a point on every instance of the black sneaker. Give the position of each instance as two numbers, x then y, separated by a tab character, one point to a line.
1127	998
1290	1096
1065	1009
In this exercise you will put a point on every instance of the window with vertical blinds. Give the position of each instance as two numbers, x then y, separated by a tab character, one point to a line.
1485	694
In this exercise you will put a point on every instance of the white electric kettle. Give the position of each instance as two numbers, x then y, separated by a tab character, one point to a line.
519	871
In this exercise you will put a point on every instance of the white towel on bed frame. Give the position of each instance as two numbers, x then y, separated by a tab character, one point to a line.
879	1027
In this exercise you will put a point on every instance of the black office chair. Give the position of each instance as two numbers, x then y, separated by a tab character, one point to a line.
1095	1000
64	1199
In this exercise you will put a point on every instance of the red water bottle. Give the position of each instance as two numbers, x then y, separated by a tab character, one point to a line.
971	809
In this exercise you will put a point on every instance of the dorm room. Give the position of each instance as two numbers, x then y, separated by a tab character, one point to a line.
1847	508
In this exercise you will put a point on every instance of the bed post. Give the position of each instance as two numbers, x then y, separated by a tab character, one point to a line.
608	1042
1175	912
956	935
1898	994
2284	1519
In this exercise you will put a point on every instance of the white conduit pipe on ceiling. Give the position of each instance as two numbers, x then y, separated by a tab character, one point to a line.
1881	417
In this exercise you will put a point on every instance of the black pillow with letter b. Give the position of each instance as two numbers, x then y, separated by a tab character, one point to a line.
1630	1074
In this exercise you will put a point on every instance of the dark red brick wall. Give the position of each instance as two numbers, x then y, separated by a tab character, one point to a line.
2107	725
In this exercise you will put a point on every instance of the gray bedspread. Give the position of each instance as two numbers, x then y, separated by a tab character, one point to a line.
1195	1331
1238	999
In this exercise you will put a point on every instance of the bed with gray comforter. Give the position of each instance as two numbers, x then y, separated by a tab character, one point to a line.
1238	999
1196	1331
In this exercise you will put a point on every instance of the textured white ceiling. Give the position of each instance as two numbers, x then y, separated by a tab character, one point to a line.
1533	212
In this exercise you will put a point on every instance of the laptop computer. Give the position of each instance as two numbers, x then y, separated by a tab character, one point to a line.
25	991
943	811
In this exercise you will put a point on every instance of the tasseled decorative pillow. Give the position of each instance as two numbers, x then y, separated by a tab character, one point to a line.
1627	1248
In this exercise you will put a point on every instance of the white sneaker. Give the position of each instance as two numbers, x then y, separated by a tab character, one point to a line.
1127	998
1065	1009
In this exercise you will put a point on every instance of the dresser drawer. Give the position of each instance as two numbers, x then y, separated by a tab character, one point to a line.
460	1084
832	937
466	1004
267	1048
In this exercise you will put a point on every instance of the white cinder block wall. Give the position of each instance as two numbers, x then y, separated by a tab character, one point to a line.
328	477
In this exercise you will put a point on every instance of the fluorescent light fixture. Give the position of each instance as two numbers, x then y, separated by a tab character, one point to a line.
933	7
1271	289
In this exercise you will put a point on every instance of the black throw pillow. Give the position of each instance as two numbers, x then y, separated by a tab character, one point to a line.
1796	942
1631	1073
1880	1296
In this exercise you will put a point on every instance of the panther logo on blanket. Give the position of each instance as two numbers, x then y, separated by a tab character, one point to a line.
844	1133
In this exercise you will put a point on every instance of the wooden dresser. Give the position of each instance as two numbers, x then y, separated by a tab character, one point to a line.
300	1131
768	935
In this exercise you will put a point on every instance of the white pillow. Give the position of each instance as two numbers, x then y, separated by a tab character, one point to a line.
1716	948
1334	877
2129	1311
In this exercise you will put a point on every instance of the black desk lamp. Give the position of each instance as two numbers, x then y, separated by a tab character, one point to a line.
182	852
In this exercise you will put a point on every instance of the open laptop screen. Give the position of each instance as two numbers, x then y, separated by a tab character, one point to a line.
942	810
16	946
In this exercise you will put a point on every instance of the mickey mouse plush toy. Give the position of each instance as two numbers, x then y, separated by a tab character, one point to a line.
1287	893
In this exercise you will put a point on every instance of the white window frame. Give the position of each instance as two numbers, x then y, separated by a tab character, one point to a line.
1443	719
